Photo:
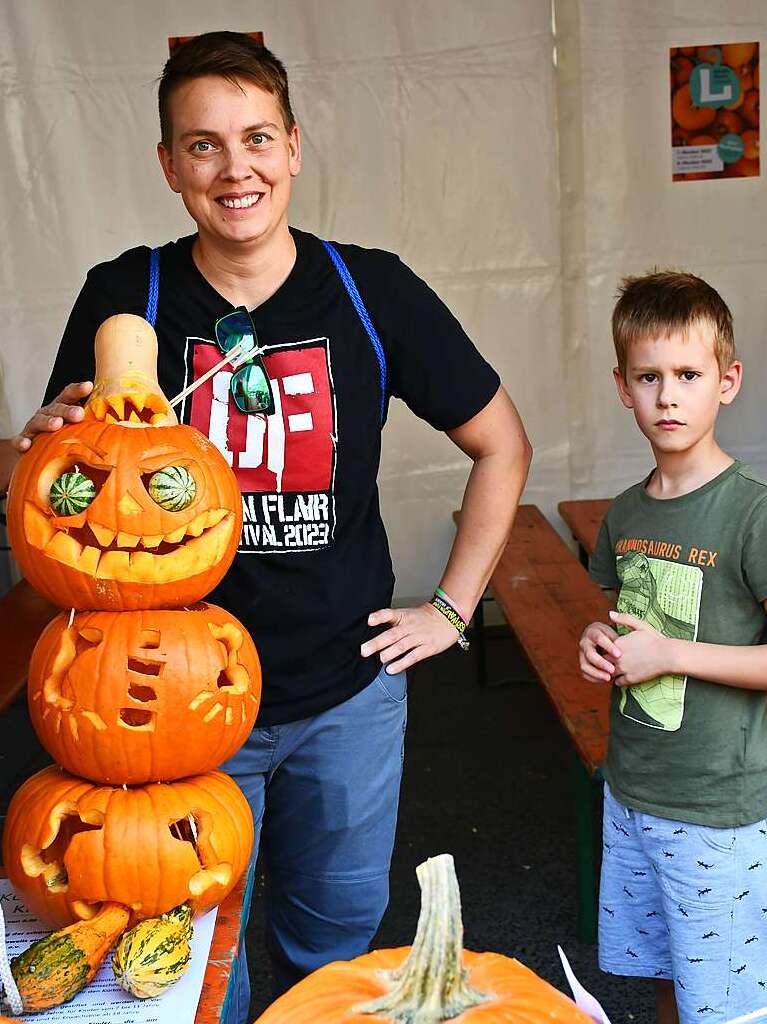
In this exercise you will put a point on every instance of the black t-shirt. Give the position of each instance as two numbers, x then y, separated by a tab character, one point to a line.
313	560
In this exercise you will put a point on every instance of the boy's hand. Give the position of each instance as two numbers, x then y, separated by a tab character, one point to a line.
598	653
644	652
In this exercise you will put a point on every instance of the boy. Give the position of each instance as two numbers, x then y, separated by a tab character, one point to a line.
683	895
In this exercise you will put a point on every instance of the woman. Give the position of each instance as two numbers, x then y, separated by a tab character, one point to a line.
313	579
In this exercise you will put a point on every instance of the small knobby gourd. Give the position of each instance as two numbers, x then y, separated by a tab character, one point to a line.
54	969
154	955
430	982
126	509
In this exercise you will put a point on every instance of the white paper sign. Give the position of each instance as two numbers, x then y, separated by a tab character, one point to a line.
583	999
103	1001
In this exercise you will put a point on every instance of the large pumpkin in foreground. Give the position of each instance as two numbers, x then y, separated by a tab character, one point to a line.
431	981
69	846
144	696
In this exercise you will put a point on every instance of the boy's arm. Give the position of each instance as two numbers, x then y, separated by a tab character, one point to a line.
647	654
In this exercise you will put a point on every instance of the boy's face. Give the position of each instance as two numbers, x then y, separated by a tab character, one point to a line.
674	386
231	158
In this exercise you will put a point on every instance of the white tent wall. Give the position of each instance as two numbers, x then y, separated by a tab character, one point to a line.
428	129
440	130
622	214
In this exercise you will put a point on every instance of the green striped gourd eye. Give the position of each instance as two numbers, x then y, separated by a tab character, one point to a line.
71	493
173	488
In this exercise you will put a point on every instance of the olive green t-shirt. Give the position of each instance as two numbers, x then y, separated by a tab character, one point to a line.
694	567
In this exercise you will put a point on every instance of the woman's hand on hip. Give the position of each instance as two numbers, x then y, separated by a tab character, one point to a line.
414	634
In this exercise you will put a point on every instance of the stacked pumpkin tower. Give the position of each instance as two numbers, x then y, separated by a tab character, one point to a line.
138	689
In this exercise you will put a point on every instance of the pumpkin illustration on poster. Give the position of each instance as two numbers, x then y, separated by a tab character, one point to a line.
138	689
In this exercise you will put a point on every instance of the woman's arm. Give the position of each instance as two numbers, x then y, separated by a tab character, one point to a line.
496	442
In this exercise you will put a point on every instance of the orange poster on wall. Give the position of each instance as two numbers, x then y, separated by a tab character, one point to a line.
714	111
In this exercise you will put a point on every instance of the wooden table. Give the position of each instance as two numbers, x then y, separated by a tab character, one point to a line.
223	961
584	518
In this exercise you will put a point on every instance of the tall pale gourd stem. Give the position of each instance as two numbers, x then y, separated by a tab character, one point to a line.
431	986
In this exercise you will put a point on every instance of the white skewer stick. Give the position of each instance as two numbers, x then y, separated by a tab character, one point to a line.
231	356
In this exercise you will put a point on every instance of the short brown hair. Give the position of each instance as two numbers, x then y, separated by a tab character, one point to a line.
230	55
666	301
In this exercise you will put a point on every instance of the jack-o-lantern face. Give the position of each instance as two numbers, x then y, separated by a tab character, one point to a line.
102	515
69	846
144	696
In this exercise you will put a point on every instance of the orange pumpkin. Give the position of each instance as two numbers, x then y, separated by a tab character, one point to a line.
434	976
144	696
124	550
70	846
125	509
689	117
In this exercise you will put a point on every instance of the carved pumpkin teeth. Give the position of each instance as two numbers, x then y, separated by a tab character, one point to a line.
114	565
215	516
89	560
197	525
117	402
142	566
207	544
103	534
64	548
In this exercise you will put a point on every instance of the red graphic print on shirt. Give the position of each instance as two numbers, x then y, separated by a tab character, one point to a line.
284	463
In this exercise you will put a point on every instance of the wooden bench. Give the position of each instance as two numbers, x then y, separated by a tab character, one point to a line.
23	616
584	517
547	599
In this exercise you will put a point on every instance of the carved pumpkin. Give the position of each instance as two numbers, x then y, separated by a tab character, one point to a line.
145	696
124	550
121	511
69	846
432	980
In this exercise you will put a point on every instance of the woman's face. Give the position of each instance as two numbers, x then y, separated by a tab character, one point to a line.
231	158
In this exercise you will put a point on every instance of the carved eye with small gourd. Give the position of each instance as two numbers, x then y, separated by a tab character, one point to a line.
71	492
173	488
124	511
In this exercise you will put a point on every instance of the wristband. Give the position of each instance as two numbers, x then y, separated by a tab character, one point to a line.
444	607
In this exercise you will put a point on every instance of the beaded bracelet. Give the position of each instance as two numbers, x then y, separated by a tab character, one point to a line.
442	603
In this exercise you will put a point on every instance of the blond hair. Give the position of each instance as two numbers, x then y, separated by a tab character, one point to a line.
665	302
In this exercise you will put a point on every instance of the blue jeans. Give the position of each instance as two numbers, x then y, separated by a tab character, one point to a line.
324	793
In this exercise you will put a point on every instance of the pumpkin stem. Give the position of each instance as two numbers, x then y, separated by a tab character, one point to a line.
431	986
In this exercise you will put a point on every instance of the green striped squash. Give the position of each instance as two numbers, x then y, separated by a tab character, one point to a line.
173	488
71	493
153	955
54	969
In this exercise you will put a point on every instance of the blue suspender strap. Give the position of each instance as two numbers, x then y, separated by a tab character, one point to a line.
362	313
154	287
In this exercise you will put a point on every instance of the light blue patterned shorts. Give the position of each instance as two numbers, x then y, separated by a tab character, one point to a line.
688	903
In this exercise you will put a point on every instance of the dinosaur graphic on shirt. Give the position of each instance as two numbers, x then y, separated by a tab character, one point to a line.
666	595
639	587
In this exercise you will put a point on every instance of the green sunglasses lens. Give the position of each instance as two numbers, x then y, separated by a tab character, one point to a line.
235	328
251	391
